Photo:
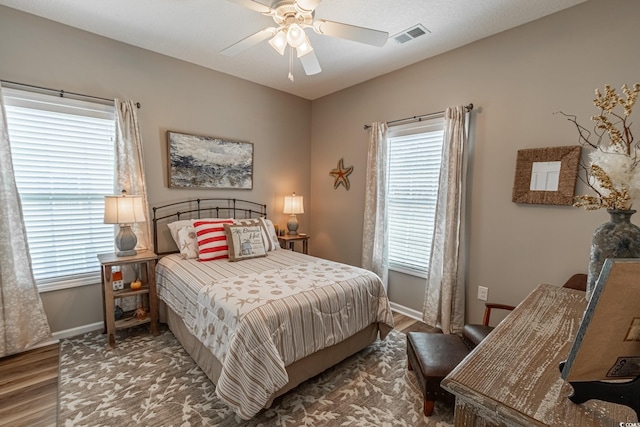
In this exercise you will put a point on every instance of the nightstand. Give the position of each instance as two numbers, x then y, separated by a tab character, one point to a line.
287	241
146	261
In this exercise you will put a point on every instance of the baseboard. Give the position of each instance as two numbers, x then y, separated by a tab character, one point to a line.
409	312
67	333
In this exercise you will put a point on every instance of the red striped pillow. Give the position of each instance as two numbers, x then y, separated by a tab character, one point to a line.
212	240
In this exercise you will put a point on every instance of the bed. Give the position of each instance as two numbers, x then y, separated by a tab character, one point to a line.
259	326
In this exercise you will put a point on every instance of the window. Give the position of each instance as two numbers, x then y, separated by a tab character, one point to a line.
414	159
63	159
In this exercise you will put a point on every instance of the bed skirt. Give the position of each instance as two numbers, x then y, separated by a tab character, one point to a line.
298	372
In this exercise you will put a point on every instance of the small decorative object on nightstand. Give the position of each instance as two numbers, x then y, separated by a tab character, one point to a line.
118	283
287	241
147	311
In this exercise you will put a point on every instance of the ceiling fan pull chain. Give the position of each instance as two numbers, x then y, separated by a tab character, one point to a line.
290	63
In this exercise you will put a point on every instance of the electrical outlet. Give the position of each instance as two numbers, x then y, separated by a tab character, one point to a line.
483	293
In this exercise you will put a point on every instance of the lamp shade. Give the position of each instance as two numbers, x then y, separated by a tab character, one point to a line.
304	48
295	35
279	42
293	204
123	209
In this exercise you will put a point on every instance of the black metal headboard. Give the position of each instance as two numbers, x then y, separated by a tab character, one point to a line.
204	208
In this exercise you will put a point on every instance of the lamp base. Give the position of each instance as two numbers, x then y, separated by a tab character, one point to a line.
292	225
127	253
126	241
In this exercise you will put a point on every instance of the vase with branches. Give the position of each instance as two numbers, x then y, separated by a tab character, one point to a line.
610	168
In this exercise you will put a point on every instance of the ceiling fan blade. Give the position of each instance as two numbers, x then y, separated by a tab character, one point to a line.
253	5
308	5
310	63
351	32
247	42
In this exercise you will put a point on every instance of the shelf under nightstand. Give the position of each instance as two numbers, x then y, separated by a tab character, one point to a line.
146	260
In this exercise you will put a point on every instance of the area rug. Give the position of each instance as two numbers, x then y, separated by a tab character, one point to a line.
152	381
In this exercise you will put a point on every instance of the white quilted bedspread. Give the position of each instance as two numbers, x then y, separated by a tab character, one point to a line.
258	322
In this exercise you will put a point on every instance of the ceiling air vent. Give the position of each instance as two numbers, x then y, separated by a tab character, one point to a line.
410	34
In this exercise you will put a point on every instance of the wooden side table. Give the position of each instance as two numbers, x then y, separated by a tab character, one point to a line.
287	241
146	260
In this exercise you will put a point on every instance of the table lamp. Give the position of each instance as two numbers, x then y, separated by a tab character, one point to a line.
124	210
293	205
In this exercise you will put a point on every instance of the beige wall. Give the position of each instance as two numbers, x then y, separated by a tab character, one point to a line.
175	95
517	80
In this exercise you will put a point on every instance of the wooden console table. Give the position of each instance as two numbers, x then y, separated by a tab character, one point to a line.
512	377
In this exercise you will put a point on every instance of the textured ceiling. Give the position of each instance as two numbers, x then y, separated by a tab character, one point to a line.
197	30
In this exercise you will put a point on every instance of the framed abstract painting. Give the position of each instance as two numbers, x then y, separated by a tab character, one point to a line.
197	161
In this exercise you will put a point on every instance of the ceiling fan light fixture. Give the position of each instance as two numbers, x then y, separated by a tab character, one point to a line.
295	35
292	17
279	42
304	48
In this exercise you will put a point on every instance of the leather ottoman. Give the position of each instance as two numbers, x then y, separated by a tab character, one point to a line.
433	356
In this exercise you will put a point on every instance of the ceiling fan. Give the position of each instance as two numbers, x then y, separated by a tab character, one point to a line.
291	18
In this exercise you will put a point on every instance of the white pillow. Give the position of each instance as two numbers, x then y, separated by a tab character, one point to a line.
274	243
175	226
188	242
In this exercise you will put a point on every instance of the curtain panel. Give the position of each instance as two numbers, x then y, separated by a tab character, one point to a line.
445	290
130	165
23	321
374	234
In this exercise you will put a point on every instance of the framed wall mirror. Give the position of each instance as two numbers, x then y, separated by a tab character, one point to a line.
546	175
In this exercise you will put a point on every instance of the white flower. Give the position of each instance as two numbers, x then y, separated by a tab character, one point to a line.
617	166
612	171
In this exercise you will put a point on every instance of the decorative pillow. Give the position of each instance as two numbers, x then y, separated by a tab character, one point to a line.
263	229
188	242
244	241
212	240
274	243
176	226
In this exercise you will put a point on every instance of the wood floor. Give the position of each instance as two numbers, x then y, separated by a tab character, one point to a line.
408	324
29	388
29	382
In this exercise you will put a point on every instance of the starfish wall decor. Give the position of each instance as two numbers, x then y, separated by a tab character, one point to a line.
341	174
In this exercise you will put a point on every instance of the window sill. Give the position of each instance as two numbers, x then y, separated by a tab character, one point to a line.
408	271
58	285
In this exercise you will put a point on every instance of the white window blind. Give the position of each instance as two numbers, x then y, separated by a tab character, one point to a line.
414	160
63	159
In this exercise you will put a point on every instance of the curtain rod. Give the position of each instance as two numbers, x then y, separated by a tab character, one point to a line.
419	118
62	93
